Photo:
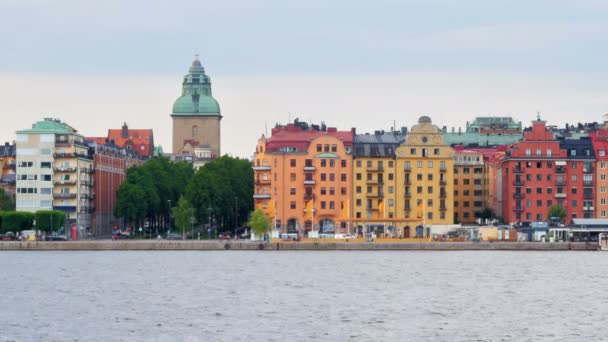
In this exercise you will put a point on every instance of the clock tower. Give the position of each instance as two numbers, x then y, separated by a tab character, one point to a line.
196	114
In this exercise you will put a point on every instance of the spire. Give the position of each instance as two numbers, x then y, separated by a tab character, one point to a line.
197	67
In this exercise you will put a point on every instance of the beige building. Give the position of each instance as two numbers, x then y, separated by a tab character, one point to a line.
55	171
196	114
425	173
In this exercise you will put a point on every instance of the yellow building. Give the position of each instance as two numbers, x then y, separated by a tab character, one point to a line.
374	180
425	178
469	186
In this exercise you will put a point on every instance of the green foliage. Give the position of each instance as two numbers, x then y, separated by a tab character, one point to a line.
6	201
223	185
557	211
45	223
221	188
16	221
259	223
182	214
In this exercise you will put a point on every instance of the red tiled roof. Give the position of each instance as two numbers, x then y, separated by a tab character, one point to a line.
292	136
140	140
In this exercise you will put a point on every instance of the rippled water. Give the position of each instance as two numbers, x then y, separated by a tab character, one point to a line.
303	296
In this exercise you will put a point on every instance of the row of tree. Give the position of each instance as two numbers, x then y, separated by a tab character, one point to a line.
44	220
6	201
220	193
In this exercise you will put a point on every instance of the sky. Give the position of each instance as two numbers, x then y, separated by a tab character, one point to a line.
348	63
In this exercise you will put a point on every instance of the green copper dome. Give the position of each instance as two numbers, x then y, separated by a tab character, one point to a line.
196	96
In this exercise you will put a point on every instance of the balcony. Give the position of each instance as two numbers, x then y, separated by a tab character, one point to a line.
64	182
64	155
587	182
443	208
87	196
407	168
309	182
407	208
309	168
519	209
87	170
64	169
443	182
65	207
560	169
262	181
375	182
560	195
443	168
560	182
518	170
518	195
443	194
63	195
518	182
588	208
587	170
83	156
371	209
308	197
408	195
375	195
261	168
407	182
375	169
588	196
261	196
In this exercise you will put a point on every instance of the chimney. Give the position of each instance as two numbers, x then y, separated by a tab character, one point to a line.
125	131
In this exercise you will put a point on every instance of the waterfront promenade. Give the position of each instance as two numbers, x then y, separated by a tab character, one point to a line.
109	245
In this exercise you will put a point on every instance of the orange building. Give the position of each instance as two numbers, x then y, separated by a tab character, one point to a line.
8	160
303	178
468	186
141	141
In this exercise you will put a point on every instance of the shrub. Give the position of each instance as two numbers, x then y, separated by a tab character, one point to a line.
16	221
44	222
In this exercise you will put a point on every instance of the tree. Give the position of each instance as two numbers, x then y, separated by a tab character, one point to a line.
259	223
16	221
182	214
49	220
557	211
131	203
6	201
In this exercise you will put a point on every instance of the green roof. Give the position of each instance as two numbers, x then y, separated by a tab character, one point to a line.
327	155
49	126
196	99
472	138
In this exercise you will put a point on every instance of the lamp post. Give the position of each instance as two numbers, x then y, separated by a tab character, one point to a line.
209	223
236	214
169	223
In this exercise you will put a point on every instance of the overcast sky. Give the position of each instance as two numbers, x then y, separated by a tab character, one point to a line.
350	63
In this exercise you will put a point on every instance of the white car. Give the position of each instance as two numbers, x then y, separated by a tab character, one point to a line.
345	236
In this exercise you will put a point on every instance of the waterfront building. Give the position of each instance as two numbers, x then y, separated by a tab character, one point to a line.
425	168
485	131
140	141
303	178
196	114
55	171
599	139
110	164
541	171
469	185
8	161
375	184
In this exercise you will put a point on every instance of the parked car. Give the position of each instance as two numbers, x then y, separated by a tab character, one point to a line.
56	238
9	236
345	236
28	235
121	236
174	236
225	236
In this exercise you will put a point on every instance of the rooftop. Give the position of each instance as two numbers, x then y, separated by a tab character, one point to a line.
49	126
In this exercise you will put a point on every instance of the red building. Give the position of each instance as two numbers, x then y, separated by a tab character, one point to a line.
141	141
599	139
110	164
541	171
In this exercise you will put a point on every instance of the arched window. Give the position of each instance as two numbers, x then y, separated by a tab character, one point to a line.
194	131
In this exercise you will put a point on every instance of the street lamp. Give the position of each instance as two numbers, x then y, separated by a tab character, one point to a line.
169	223
236	214
209	223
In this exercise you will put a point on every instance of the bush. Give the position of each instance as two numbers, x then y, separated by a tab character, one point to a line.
44	222
16	221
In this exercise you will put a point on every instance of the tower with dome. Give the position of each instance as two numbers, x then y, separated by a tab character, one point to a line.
196	114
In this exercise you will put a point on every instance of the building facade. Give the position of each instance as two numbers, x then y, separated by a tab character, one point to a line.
55	171
8	160
486	131
600	146
425	168
374	179
469	186
303	178
196	114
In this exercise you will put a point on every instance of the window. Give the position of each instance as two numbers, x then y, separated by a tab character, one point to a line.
528	152
466	192
412	151
391	189
323	177
332	177
358	163
323	205
194	131
436	151
539	190
319	148
419	189
466	181
343	163
539	152
343	191
334	148
343	177
429	176
358	189
430	165
326	148
323	162
292	204
45	165
332	163
358	202
390	163
574	178
292	177
292	162
45	191
539	203
46	178
419	164
430	189
369	176
323	191
574	203
358	176
549	191
292	191
549	203
390	176
549	152
332	205
573	190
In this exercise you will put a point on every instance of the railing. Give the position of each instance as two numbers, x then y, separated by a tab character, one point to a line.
407	182
587	169
408	195
309	168
443	182
560	195
587	182
518	170
261	168
443	208
560	169
64	155
308	197
588	208
375	169
560	182
262	181
518	195
518	208
375	182
588	196
443	194
64	169
309	182
376	195
256	196
407	208
518	182
87	183
63	195
407	168
64	182
443	168
371	209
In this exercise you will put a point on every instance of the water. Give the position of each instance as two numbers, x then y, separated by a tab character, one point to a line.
303	296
